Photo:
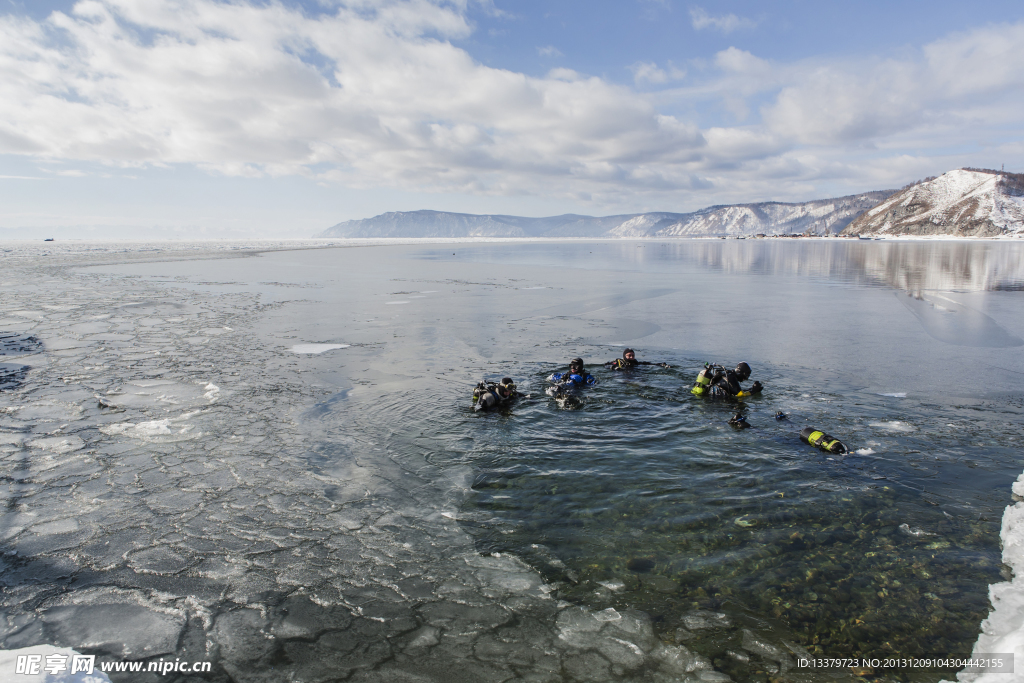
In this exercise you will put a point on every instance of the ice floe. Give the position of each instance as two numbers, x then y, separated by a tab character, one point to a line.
166	430
894	426
316	348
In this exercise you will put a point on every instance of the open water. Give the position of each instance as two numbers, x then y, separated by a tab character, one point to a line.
270	461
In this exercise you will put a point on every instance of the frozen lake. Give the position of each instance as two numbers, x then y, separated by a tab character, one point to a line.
270	461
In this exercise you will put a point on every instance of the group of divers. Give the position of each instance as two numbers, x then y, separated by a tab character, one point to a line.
713	382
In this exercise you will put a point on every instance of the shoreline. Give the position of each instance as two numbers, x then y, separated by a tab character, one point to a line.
91	252
324	242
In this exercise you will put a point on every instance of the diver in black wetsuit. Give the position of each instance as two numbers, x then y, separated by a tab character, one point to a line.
629	361
489	395
714	381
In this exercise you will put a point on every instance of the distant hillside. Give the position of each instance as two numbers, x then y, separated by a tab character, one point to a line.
445	224
965	202
817	217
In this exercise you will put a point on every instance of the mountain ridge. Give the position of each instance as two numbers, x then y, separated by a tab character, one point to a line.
821	216
962	202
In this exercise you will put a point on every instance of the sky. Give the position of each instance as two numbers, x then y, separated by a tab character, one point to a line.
280	118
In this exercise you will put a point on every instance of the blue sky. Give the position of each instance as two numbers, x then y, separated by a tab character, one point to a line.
186	118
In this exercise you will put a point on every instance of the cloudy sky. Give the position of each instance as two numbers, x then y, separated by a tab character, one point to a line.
181	118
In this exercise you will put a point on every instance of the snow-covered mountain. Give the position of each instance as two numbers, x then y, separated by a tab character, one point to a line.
816	217
964	202
819	217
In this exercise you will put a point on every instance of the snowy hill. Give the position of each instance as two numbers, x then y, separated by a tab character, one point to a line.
816	217
965	202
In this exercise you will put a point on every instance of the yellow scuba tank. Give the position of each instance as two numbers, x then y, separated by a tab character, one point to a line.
704	380
819	439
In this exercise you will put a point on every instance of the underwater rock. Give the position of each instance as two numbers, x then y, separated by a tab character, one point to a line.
704	619
683	635
758	646
678	660
641	565
662	584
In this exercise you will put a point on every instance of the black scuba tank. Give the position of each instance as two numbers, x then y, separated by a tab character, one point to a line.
488	395
820	439
485	396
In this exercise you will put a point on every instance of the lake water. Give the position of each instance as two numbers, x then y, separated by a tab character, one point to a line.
271	462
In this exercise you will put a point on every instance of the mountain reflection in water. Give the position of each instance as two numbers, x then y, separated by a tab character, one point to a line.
913	266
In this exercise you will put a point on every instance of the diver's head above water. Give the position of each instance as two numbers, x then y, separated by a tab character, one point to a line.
629	355
576	366
742	371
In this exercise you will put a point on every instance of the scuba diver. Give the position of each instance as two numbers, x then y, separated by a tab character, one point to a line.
629	361
714	381
739	421
490	395
567	384
576	377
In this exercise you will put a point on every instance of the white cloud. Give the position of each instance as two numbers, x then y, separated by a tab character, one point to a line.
742	62
960	86
549	51
374	94
650	72
728	23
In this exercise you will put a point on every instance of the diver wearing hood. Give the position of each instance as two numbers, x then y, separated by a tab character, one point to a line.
577	375
490	395
714	381
629	361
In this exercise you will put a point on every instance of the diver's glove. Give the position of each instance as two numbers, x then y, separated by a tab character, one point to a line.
757	388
